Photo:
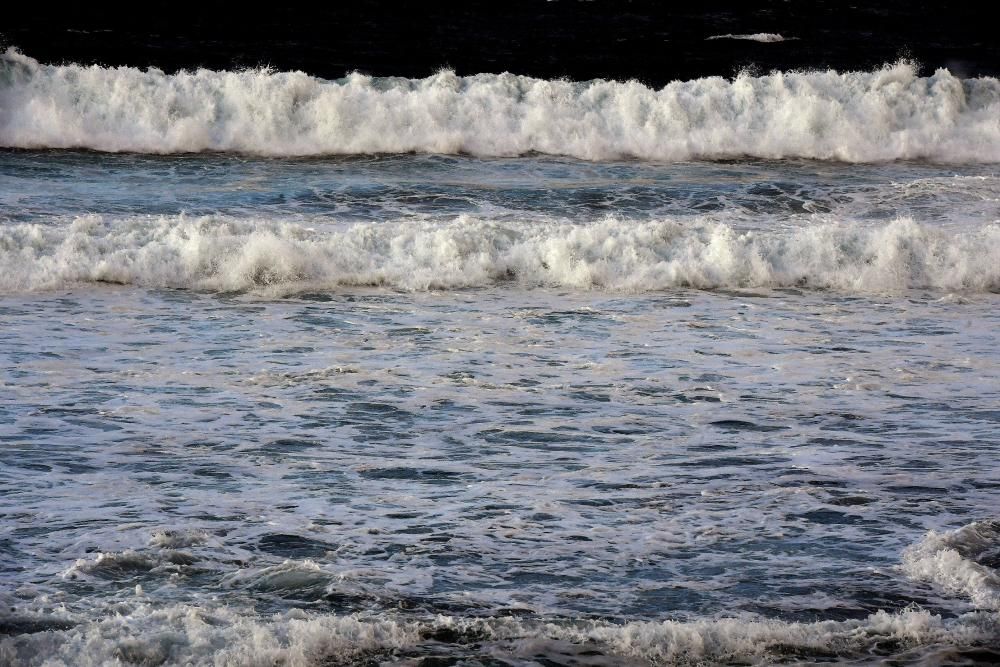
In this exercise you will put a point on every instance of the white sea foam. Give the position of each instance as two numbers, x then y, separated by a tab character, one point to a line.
763	37
888	114
218	253
183	634
953	562
736	640
177	539
143	633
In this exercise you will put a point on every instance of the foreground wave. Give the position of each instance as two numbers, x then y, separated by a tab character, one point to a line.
219	253
961	562
144	633
182	634
888	114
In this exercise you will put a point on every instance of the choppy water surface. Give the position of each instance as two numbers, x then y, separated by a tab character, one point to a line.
529	411
40	185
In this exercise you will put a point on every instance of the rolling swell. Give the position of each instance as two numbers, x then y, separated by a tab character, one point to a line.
224	253
883	115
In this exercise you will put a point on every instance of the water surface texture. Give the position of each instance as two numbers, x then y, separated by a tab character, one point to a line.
569	396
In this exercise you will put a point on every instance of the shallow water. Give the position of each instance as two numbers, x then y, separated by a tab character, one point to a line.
370	409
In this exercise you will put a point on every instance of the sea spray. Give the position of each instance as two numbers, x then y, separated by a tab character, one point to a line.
224	253
887	114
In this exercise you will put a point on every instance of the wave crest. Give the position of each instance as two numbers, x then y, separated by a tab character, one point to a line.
218	253
763	37
191	635
962	562
155	634
888	114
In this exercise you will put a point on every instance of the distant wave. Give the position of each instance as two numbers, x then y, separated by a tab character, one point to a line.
887	114
219	253
765	37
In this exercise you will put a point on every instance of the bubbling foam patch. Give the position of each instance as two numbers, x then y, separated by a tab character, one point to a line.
961	562
181	634
218	253
763	37
139	632
887	114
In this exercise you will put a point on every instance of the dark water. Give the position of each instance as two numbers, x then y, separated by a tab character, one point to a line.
643	40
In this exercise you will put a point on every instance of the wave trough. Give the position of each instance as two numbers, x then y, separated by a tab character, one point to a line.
888	114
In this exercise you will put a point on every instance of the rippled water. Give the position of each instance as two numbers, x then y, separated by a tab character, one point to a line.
40	185
509	472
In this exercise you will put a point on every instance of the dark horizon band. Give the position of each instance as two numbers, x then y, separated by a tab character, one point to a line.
652	42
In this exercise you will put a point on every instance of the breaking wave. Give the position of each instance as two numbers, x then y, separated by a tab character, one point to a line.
220	253
887	114
183	634
960	562
763	37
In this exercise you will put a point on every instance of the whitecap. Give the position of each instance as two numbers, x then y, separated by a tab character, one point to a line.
221	253
890	113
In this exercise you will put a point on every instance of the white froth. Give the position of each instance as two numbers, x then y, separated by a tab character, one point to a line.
227	254
949	561
888	114
763	37
734	640
177	539
190	635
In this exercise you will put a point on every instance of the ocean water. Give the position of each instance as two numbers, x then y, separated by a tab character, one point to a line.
498	370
